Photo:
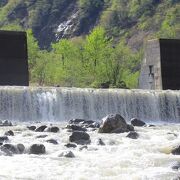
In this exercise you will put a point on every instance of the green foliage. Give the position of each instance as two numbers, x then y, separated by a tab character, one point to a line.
83	63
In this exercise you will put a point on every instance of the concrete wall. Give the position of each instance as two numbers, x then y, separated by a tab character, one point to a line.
160	68
170	63
13	59
150	77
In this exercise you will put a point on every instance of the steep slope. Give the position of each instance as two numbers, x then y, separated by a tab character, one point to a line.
50	20
134	20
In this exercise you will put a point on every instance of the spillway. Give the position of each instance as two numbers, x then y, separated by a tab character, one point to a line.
61	104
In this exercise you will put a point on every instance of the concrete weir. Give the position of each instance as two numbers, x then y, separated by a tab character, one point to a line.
60	104
160	68
13	59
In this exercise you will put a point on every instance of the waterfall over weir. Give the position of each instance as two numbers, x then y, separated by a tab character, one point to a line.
58	104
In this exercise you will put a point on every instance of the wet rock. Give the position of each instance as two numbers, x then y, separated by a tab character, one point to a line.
37	149
84	123
175	165
32	128
113	123
80	137
100	142
9	149
53	129
67	154
130	127
133	135
52	141
76	121
5	123
41	136
9	133
3	139
20	148
41	128
75	127
176	150
90	124
70	145
93	125
137	122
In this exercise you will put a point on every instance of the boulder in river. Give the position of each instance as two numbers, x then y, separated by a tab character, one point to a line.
9	133
75	127
137	122
176	150
175	166
53	129
133	135
41	128
20	148
9	149
90	124
52	141
80	137
130	127
113	123
70	145
37	149
41	136
76	121
67	154
32	128
3	139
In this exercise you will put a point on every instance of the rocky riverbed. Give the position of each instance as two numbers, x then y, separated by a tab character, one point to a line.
87	150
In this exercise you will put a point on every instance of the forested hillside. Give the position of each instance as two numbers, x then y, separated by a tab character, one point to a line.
89	42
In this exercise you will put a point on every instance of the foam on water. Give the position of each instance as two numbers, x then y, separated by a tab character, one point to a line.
121	157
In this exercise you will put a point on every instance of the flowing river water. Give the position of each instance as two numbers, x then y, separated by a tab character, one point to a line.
146	158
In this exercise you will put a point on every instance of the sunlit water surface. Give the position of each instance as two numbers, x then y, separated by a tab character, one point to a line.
120	159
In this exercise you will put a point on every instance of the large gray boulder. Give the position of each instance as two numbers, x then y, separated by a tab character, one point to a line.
9	149
3	139
113	123
53	129
80	137
9	133
37	149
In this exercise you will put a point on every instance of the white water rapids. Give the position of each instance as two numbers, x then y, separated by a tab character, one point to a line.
145	158
26	104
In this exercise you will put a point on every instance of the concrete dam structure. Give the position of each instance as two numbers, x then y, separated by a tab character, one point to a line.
13	59
29	104
160	68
